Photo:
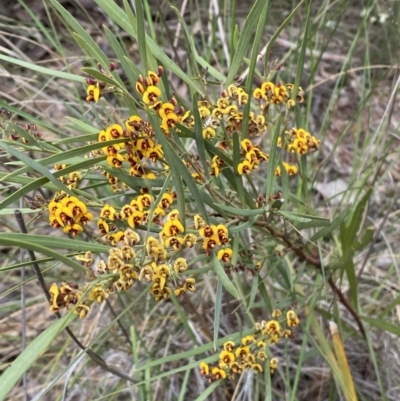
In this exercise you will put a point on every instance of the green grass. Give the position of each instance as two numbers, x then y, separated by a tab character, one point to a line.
328	254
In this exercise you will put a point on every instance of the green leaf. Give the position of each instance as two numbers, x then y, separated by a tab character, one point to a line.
43	70
383	325
198	136
240	212
349	234
31	354
23	211
9	240
54	242
238	178
40	182
83	126
117	15
37	167
104	78
246	35
243	226
83	39
334	224
304	218
272	162
223	277
205	394
262	15
130	69
301	59
217	313
175	163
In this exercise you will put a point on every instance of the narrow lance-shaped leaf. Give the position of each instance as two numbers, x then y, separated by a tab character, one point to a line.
31	354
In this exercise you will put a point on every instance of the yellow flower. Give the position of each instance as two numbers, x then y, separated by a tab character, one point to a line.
172	228
291	318
98	294
73	230
145	200
226	357
267	89
245	167
242	352
174	242
246	145
273	364
198	222
272	327
151	94
93	93
204	369
180	265
115	160
166	201
108	212
290	168
189	240
151	245
229	346
224	254
103	226
248	340
222	234
218	373
165	109
188	284
54	292
135	219
133	123
208	231
155	153
169	121
276	313
131	238
173	215
257	368
208	133
204	112
114	131
210	243
115	238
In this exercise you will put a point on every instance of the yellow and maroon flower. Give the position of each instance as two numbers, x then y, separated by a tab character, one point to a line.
224	254
93	93
172	228
151	95
291	318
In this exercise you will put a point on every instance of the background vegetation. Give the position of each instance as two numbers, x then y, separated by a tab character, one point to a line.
345	56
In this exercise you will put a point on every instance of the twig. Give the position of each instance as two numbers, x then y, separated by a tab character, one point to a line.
97	359
299	252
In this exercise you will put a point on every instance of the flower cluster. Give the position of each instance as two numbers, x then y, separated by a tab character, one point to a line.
70	180
253	156
134	214
121	271
169	112
132	147
299	141
68	296
213	236
269	93
70	213
251	353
